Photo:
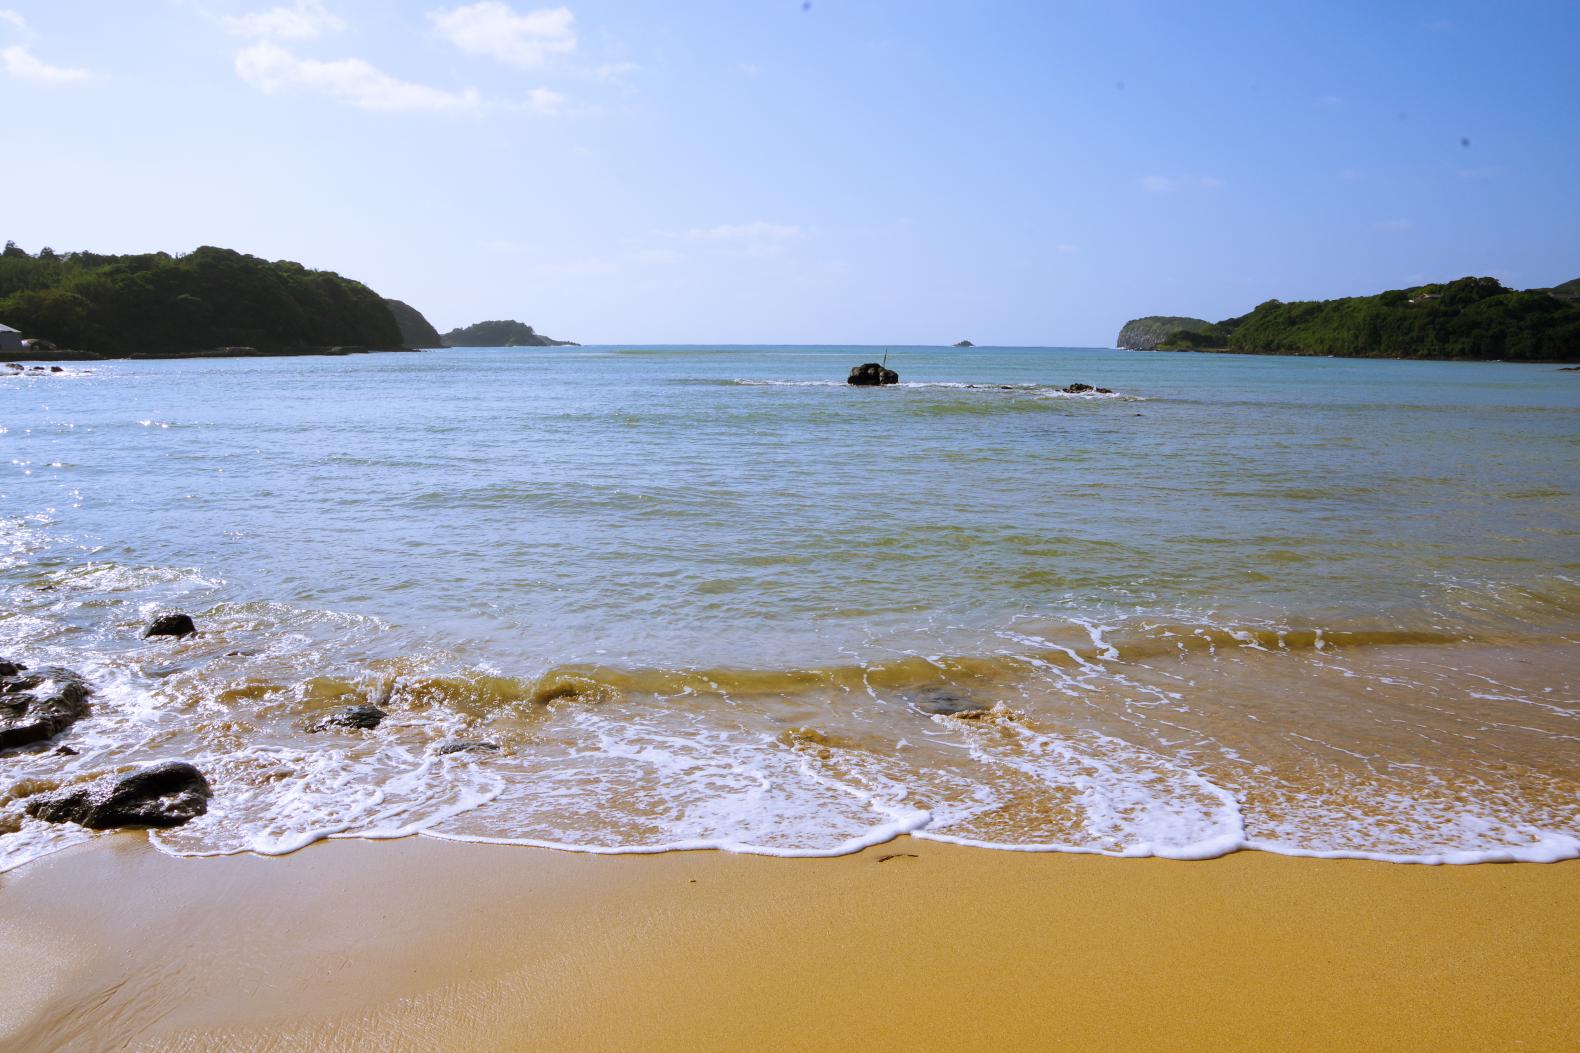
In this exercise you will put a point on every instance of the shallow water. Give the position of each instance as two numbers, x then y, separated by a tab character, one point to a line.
704	596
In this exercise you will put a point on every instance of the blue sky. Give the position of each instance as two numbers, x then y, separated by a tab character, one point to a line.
761	171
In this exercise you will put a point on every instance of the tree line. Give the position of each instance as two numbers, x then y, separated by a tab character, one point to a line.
158	303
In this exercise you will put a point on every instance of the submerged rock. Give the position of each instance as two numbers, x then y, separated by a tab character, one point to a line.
354	718
165	794
872	374
39	705
171	623
467	746
948	704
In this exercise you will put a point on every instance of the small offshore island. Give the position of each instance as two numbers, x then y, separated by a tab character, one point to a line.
1470	318
209	303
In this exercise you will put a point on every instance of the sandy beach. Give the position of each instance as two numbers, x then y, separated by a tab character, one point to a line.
422	944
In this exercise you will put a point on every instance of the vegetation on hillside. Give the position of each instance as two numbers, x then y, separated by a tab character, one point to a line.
1471	318
501	333
1145	334
415	330
157	303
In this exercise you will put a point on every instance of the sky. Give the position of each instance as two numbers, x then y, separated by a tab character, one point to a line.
776	171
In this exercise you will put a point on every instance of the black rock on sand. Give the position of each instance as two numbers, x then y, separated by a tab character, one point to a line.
165	794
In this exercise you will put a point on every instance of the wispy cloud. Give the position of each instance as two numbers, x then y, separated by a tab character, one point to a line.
751	69
22	63
1157	184
495	30
305	20
758	231
1396	225
270	68
16	21
19	61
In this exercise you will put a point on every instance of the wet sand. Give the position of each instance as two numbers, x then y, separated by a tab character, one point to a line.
422	944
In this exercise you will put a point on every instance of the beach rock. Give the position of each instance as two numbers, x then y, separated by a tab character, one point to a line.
39	705
165	794
56	369
872	374
467	746
11	668
171	623
1104	391
352	718
1077	389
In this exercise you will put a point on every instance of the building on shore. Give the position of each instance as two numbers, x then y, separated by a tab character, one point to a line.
10	339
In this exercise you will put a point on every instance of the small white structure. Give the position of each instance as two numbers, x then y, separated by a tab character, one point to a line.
10	339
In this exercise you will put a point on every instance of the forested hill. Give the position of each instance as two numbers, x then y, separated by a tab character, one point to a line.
501	333
158	304
1471	318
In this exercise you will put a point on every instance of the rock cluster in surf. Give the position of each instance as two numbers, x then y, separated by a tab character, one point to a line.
871	375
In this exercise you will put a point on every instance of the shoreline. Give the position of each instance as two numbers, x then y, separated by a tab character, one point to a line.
250	352
420	944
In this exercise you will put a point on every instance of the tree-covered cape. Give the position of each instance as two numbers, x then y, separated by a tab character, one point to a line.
160	304
1471	318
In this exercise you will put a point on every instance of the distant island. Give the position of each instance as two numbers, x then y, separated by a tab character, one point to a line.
963	343
1470	318
207	302
503	333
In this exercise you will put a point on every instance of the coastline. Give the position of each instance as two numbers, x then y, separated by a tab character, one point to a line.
432	945
248	352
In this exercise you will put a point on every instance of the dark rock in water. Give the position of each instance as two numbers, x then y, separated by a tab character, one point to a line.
1076	389
56	369
66	751
947	704
355	718
11	668
872	374
467	747
39	705
1104	391
171	623
964	343
166	794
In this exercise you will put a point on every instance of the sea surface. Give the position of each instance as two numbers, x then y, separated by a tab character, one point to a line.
715	597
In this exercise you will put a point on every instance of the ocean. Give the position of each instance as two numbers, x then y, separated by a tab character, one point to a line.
714	597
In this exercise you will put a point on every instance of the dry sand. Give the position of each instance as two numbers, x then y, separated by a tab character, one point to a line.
420	944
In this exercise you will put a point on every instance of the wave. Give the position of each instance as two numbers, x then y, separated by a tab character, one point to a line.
1148	738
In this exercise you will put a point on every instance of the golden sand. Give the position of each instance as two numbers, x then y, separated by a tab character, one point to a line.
426	945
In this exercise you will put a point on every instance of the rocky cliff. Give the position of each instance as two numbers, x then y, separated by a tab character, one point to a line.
1145	334
415	330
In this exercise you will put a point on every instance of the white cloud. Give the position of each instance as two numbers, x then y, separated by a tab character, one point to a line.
614	71
545	101
759	231
657	257
17	22
1156	184
493	29
20	62
270	68
306	20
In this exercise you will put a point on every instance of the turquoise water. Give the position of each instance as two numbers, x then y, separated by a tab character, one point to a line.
491	520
